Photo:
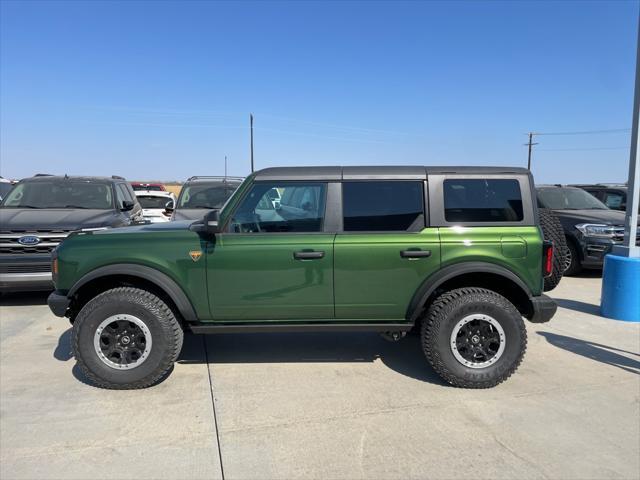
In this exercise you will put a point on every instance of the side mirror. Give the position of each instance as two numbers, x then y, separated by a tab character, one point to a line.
127	205
169	206
211	222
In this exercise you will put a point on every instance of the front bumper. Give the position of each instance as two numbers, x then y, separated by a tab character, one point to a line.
58	303
544	308
25	272
594	250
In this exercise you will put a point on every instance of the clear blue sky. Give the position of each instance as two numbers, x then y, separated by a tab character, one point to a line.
163	90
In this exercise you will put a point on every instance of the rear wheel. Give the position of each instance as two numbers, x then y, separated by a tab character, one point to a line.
126	338
473	337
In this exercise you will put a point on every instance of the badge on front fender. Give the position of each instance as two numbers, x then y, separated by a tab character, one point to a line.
195	255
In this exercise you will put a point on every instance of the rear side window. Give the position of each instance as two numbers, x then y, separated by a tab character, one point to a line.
396	206
482	200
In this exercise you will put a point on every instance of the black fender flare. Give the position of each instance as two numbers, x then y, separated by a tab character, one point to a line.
432	282
161	280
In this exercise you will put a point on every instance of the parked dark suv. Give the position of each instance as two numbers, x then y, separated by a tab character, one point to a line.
591	228
200	195
613	195
39	212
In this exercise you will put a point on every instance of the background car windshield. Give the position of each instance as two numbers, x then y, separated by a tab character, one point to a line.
205	196
148	201
147	188
60	194
4	189
569	199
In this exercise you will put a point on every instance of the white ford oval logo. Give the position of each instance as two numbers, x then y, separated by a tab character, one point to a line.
29	240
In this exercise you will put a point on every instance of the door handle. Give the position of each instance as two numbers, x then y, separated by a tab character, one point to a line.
415	253
308	255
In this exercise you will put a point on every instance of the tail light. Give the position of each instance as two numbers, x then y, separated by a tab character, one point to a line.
547	256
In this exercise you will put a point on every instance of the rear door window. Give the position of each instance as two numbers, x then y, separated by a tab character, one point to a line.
371	206
482	200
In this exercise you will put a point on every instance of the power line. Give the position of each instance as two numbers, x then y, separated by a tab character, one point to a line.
586	132
580	149
531	143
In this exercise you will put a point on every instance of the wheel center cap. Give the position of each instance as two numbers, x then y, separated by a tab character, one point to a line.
125	340
475	339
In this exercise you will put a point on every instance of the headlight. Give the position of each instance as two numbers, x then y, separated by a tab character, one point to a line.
597	230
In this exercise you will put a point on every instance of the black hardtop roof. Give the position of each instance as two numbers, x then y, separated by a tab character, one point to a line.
75	178
377	172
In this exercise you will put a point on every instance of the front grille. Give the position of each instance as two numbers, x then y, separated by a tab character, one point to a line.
25	268
25	250
49	239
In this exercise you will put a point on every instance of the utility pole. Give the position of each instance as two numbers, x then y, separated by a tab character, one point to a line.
251	124
530	145
225	167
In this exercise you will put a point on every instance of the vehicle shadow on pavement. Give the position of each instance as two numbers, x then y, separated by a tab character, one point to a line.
595	351
404	356
23	299
578	306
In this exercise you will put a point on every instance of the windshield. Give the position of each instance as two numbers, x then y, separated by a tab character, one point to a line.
4	189
569	199
206	196
148	201
60	194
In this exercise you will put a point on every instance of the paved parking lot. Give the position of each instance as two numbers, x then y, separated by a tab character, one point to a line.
325	406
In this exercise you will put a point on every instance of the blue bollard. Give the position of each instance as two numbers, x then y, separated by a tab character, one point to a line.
621	288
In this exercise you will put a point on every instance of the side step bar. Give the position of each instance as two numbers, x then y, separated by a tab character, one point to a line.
293	327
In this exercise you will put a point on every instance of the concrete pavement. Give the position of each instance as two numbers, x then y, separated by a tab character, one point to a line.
326	406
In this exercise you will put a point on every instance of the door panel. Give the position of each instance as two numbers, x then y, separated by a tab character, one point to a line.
377	274
257	277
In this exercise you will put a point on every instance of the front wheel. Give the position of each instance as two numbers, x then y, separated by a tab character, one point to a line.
473	337
126	338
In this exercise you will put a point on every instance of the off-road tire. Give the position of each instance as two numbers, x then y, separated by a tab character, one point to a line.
552	231
451	307
575	266
165	330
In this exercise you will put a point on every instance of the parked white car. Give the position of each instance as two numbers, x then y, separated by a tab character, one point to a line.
153	205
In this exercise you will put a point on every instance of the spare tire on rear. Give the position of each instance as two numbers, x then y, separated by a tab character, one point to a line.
552	231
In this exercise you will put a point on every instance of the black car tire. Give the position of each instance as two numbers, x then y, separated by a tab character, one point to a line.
450	310
552	231
573	264
153	316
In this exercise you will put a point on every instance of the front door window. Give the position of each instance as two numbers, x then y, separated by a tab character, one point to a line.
299	210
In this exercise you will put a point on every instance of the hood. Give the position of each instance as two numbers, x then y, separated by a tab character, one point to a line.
190	213
56	218
603	217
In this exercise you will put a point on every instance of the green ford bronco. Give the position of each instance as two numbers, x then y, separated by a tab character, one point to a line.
455	253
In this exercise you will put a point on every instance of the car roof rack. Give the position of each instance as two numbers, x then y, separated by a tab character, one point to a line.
117	177
209	177
43	175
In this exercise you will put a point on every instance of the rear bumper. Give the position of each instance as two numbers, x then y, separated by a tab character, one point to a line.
544	308
58	303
